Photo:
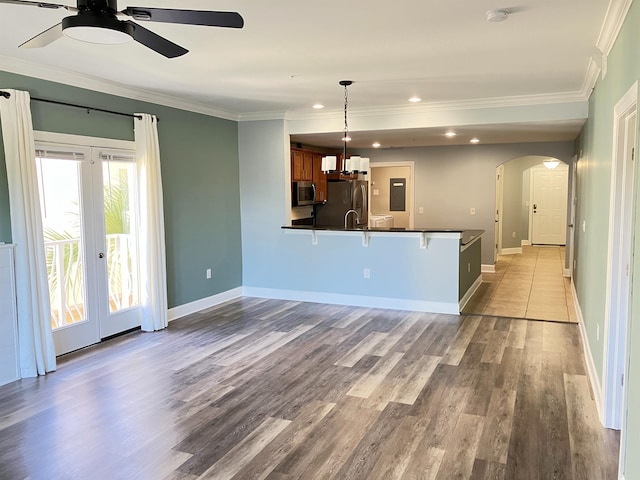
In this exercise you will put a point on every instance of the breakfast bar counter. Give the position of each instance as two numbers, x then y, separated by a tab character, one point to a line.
422	269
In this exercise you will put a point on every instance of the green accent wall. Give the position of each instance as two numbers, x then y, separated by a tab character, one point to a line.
593	190
200	179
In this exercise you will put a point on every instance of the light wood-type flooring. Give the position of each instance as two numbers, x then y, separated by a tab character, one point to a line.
527	285
267	389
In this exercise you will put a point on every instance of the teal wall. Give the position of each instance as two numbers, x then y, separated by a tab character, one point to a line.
199	160
594	177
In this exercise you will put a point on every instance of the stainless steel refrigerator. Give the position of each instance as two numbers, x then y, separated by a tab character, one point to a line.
342	196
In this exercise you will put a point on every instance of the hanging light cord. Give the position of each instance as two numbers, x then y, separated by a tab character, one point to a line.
345	84
346	102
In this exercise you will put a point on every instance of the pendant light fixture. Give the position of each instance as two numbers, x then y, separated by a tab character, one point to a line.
355	164
345	138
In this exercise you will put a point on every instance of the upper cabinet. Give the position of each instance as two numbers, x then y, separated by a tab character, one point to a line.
319	178
306	166
301	165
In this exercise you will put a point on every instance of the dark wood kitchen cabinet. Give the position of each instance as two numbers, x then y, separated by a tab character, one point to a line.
301	166
306	166
319	178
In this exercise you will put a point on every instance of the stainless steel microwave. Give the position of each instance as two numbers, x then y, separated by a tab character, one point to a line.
304	193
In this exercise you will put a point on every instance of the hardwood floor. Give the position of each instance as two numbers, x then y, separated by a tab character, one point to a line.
285	390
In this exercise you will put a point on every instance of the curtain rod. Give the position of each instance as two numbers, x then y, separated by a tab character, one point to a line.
95	109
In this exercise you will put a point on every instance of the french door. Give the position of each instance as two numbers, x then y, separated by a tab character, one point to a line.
88	200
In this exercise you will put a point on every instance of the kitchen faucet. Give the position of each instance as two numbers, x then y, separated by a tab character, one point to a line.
346	216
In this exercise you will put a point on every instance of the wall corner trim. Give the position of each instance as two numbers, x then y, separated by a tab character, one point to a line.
203	303
488	268
591	366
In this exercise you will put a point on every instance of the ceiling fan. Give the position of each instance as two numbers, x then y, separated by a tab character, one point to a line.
96	21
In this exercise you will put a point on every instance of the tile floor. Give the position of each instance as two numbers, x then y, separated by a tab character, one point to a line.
527	285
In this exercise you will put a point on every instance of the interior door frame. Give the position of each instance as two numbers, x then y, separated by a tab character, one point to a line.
571	227
497	228
615	357
411	182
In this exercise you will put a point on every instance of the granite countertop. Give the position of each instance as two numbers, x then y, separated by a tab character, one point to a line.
467	234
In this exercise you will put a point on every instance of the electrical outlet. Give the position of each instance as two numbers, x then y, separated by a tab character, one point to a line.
376	191
420	210
366	273
468	267
513	235
208	273
598	332
472	211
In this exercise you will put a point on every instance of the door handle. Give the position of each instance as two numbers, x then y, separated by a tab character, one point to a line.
101	255
570	225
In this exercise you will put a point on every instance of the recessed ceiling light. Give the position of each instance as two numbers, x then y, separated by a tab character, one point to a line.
318	106
415	99
376	145
450	134
475	140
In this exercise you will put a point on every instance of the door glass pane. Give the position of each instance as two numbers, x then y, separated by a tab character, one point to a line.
59	183
120	227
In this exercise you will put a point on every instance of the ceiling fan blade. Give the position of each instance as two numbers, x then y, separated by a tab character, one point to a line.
39	4
155	42
43	39
186	17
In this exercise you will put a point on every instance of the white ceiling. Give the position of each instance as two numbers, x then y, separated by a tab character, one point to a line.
291	54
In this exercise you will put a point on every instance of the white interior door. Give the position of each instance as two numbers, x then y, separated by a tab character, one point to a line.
549	205
89	211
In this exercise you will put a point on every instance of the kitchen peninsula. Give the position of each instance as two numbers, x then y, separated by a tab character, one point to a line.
423	269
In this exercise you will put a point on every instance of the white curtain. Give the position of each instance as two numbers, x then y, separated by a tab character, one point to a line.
37	352
153	261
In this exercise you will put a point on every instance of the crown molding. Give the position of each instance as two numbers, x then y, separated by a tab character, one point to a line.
613	20
80	80
591	77
258	116
430	107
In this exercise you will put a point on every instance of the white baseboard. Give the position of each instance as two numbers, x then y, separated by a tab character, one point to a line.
511	251
591	366
525	243
488	268
204	303
469	293
353	300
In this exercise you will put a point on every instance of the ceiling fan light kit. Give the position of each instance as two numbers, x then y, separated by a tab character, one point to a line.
97	22
99	29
